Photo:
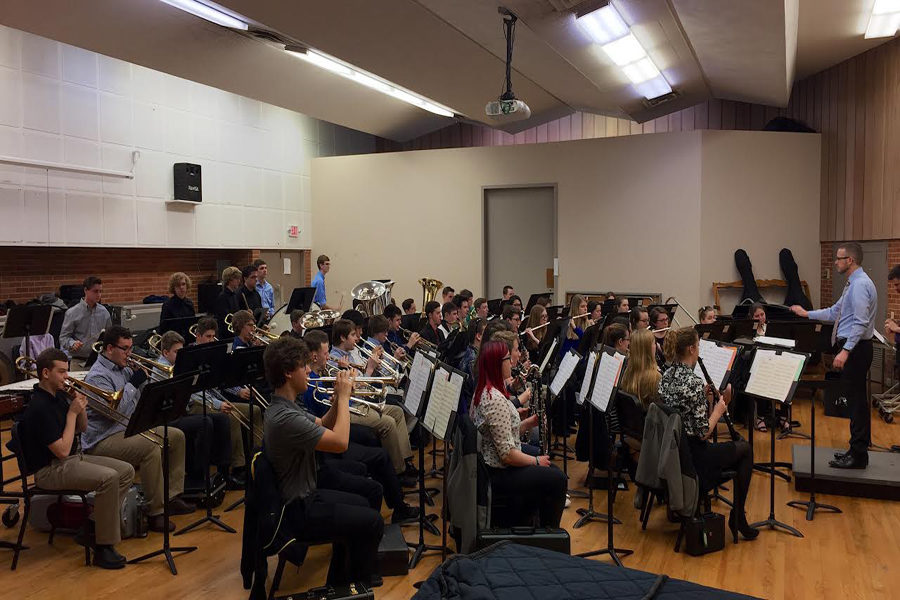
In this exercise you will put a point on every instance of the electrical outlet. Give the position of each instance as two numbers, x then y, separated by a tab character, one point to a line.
826	274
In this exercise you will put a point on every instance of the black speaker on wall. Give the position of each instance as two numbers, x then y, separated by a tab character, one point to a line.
187	182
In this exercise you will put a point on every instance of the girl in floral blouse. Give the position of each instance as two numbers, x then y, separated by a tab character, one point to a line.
529	483
681	389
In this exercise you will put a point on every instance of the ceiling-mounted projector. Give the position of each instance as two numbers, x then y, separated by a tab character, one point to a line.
507	107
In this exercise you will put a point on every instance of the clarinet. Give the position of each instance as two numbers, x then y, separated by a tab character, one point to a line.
735	436
539	410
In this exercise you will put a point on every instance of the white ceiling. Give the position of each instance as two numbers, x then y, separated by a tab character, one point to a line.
452	52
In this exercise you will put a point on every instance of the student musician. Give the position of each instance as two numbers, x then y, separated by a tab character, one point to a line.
681	389
513	316
409	306
83	323
250	298
481	308
318	282
516	303
641	376
622	305
296	330
706	315
639	318
291	441
264	288
474	335
508	293
596	311
534	337
447	295
758	314
177	306
530	484
659	321
390	424
104	437
228	301
396	341
449	318
243	324
431	331
50	432
578	323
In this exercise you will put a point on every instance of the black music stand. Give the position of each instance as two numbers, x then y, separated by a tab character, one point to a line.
771	521
495	307
560	397
182	325
209	362
160	402
533	299
814	337
245	367
718	331
301	299
589	514
411	322
554	312
25	320
415	399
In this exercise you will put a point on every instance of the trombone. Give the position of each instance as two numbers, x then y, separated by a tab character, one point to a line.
193	331
155	370
423	344
398	365
103	401
261	335
393	370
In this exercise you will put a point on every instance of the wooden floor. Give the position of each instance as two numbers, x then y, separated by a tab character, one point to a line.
847	556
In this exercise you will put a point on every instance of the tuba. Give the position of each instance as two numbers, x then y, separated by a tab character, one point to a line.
366	293
430	289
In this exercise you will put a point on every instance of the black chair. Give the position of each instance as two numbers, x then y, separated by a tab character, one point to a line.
30	491
294	553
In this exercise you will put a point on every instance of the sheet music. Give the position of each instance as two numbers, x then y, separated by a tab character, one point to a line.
588	375
418	381
566	367
547	356
880	337
718	361
607	378
775	341
772	375
443	400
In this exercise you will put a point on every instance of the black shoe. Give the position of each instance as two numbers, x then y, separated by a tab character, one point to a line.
177	506
407	481
739	524
158	522
116	554
848	461
405	514
841	454
376	581
106	558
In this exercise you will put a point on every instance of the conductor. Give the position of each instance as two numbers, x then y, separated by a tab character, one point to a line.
854	318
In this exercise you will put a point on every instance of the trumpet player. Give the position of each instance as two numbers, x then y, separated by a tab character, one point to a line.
449	318
243	325
208	439
394	337
51	429
390	424
104	437
431	331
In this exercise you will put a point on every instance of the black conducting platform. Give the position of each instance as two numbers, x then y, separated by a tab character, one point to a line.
881	480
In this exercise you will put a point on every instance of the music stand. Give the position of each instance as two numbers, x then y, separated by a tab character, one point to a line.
553	312
560	381
182	325
26	319
602	391
418	387
411	322
301	298
717	331
532	300
160	402
208	361
245	367
495	307
774	396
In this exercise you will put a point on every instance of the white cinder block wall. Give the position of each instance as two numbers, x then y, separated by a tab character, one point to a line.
63	104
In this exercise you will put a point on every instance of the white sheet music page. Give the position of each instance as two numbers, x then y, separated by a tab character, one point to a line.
775	341
607	378
566	367
588	374
772	374
718	361
443	400
418	381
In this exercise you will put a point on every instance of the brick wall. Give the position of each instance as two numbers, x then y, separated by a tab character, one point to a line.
129	274
827	263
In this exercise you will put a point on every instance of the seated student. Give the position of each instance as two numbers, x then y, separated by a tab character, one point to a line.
481	308
659	321
623	306
639	318
243	324
400	347
529	483
596	311
462	303
177	306
681	389
50	432
376	460
431	331
449	318
474	335
409	306
535	337
296	330
517	392
758	314
250	299
641	376
291	440
390	424
37	344
208	443
706	315
512	316
447	294
216	401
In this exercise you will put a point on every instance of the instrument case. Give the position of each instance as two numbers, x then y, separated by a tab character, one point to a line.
393	552
353	591
548	538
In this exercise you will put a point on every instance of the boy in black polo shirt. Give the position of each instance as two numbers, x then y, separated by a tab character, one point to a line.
51	428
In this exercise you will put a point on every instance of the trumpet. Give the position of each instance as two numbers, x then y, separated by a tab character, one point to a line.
423	344
398	365
103	401
358	406
368	351
262	336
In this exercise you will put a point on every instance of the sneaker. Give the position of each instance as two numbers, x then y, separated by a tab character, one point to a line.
568	501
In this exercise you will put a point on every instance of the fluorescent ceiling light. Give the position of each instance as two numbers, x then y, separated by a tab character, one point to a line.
366	79
883	25
641	70
625	50
885	6
654	88
604	25
207	12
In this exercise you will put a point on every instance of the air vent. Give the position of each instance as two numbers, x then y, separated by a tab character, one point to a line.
654	102
270	36
578	7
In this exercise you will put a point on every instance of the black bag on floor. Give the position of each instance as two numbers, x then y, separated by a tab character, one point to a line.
704	534
541	537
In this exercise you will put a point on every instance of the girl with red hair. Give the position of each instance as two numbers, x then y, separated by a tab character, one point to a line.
530	484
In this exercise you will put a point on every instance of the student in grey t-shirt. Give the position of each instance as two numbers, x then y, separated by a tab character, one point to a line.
291	438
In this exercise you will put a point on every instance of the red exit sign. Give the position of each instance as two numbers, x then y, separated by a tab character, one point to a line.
293	231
